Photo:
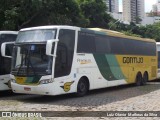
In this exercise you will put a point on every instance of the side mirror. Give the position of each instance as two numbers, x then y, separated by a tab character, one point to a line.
6	49
51	46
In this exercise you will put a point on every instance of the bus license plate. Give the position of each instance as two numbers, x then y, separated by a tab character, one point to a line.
27	89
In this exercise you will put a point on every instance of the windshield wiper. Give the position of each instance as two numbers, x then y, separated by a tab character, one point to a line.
26	61
29	63
21	64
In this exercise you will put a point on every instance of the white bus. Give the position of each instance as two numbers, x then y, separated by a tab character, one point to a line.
53	60
158	51
5	62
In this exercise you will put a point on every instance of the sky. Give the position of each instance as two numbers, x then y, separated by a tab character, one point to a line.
148	5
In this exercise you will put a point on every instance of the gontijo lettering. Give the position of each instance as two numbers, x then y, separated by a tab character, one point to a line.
132	60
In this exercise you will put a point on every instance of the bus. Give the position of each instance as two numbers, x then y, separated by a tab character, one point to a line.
5	62
54	60
158	51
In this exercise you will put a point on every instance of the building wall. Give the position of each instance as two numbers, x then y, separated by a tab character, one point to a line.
133	9
116	6
150	20
113	5
117	16
127	10
141	8
156	8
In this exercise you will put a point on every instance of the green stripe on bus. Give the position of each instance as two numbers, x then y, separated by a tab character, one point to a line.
114	66
33	79
104	66
109	67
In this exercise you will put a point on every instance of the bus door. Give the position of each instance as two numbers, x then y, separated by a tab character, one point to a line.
64	55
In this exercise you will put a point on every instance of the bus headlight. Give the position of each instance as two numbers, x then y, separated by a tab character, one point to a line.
46	81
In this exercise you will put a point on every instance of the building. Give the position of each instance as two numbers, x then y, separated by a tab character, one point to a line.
156	8
117	16
112	5
133	10
113	9
150	20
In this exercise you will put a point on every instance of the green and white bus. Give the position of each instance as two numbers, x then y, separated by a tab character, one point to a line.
5	62
53	60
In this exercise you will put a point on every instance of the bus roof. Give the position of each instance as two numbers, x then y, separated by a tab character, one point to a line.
158	43
100	30
50	27
8	32
119	34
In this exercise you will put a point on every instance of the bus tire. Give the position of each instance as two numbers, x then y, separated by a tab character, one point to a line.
145	78
82	87
139	79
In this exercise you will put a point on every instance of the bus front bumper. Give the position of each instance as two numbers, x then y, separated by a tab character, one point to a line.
43	89
5	82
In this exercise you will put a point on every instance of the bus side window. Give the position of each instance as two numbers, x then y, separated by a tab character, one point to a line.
9	48
6	62
102	44
86	43
8	37
5	68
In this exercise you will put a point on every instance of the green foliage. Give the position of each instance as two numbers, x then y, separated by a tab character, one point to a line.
95	12
138	19
148	31
17	14
129	33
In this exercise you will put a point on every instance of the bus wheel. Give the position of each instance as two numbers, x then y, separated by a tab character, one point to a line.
139	79
145	78
82	87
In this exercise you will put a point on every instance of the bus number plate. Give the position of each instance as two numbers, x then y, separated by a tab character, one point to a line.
27	89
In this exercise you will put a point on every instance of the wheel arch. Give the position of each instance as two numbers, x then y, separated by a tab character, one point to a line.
146	72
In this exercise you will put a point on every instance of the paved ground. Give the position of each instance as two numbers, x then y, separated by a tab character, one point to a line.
122	98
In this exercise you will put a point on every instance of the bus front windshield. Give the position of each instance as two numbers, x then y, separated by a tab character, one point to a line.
31	60
29	53
38	35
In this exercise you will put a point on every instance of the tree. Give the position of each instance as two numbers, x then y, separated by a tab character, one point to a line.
138	20
17	14
8	14
95	12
